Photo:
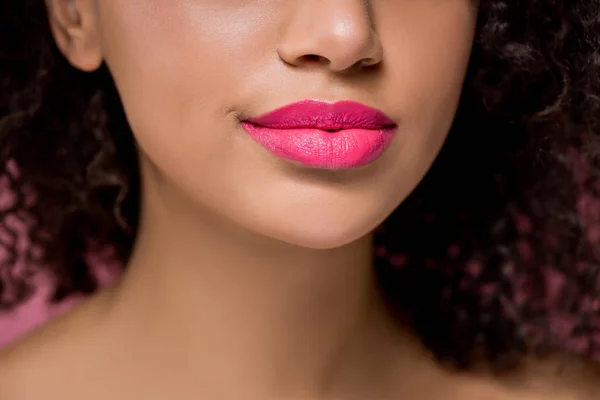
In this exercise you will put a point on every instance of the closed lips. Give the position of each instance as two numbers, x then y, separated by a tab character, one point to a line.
325	135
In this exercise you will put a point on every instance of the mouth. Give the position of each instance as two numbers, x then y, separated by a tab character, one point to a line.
324	135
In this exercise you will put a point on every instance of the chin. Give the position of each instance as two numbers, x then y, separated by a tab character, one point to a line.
321	242
320	236
312	222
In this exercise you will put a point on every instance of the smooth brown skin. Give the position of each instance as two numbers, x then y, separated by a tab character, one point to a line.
252	277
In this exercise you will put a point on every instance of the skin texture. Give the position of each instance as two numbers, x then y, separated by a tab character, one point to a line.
244	262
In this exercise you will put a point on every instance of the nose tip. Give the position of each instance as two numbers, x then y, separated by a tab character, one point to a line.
336	34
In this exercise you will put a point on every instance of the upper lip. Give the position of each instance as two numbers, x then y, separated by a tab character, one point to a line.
317	114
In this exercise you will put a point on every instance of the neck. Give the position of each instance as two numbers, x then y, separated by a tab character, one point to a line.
245	308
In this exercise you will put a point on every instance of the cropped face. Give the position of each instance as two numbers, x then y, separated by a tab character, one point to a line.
305	121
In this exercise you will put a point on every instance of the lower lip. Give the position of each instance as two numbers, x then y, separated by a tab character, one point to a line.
315	148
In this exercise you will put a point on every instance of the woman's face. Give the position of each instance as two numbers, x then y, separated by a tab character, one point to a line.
189	71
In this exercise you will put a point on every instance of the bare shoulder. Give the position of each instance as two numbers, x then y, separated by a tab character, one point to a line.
48	363
29	366
534	379
538	379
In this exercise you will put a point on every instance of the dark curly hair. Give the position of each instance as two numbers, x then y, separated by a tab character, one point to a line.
495	255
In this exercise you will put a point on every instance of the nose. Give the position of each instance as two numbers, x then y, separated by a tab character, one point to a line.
336	33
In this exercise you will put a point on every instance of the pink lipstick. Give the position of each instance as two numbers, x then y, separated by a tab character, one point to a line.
324	135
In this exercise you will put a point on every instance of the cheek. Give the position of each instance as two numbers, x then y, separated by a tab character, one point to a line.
428	45
428	48
175	63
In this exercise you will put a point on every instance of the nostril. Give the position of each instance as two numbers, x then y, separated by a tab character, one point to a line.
367	62
314	58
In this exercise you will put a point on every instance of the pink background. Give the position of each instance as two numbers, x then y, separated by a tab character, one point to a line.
30	315
37	309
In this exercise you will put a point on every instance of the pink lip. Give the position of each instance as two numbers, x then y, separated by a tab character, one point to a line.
324	135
